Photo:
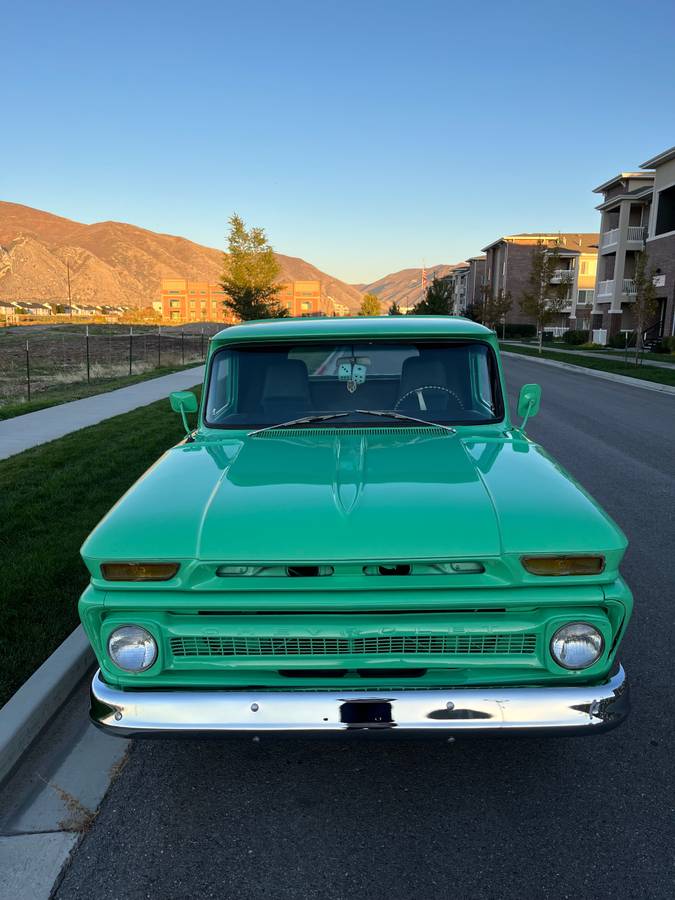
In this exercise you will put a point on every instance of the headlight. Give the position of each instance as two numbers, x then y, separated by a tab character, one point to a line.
132	648
577	646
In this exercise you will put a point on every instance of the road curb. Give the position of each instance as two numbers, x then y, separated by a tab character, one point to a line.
595	373
28	711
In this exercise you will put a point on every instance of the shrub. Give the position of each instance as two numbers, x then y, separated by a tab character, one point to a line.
574	337
618	341
514	331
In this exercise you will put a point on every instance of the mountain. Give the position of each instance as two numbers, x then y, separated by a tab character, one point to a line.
405	287
114	263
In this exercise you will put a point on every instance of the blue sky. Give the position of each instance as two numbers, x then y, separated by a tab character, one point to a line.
364	136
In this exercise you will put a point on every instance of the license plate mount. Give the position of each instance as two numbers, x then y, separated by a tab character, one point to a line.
366	713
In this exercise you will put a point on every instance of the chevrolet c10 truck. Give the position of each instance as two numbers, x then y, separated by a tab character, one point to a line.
356	539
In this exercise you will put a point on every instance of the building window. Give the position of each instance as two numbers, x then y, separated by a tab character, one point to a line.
585	297
175	303
665	213
173	292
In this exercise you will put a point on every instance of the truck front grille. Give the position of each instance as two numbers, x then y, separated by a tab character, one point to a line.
423	644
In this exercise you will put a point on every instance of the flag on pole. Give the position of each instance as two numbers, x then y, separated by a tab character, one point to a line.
424	279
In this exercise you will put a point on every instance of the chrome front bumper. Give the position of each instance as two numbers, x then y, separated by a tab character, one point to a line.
564	710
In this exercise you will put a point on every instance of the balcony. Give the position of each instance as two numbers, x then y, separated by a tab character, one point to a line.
562	275
605	289
636	233
609	238
628	287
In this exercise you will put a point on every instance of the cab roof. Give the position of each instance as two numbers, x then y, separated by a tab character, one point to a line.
354	327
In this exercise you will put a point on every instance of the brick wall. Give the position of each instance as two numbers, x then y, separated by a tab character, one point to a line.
662	256
518	268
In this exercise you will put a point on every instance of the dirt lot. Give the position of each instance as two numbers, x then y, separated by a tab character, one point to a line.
36	359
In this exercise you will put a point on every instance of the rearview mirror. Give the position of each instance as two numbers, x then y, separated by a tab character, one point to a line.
529	401
184	402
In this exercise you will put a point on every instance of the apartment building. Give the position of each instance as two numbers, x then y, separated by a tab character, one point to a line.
660	243
198	301
475	280
456	279
302	298
337	309
459	280
508	264
637	214
624	218
193	301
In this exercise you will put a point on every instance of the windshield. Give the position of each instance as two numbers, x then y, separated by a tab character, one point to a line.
449	383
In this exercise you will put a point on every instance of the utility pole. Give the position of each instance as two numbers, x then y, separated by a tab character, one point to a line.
70	304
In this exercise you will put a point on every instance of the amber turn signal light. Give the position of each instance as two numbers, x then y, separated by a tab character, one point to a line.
138	571
564	565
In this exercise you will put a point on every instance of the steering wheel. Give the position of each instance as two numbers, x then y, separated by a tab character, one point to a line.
419	391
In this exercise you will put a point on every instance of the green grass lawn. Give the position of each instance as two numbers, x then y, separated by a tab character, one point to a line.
56	396
50	499
617	367
620	354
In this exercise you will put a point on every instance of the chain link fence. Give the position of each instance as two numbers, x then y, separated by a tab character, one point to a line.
35	362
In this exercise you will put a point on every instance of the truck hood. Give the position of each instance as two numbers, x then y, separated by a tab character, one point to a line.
324	496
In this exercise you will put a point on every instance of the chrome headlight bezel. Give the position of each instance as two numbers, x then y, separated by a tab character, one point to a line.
570	625
150	653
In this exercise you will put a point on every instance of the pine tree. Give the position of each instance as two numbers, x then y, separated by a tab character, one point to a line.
250	274
437	300
395	309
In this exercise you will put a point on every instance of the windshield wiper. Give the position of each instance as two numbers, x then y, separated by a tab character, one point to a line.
391	414
305	420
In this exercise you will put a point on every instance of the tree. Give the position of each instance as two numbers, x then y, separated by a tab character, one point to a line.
250	273
644	305
543	300
473	311
370	306
395	309
496	308
437	300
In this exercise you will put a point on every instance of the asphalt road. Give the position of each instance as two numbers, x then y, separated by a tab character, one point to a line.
568	817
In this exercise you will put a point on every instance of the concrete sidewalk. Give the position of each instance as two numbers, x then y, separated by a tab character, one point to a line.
609	356
31	429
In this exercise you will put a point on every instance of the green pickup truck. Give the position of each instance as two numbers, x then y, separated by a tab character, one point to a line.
355	539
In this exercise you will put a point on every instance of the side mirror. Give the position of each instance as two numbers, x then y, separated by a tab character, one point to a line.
529	402
184	402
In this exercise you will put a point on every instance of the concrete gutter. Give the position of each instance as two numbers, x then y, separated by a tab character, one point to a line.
28	711
52	797
595	373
